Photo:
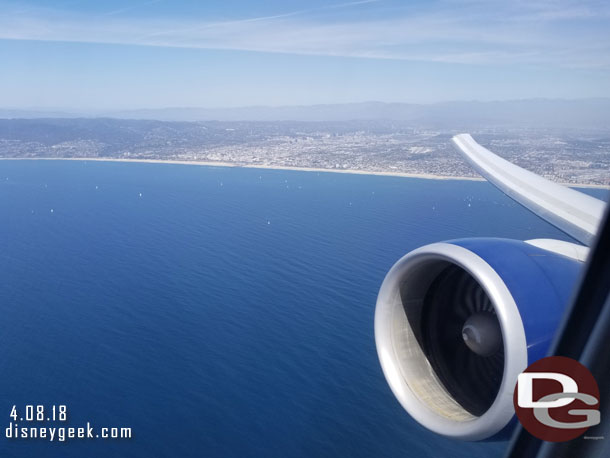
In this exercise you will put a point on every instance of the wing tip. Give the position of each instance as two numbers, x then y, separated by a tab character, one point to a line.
573	212
460	140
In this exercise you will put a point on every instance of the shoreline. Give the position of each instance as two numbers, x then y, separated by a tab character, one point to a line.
425	176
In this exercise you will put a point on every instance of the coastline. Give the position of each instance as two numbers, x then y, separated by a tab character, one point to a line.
424	176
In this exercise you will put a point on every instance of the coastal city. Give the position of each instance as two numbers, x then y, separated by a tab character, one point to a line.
566	156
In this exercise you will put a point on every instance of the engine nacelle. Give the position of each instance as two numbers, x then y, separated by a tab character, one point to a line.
457	322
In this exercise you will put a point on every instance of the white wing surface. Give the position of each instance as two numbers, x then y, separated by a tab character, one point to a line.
573	212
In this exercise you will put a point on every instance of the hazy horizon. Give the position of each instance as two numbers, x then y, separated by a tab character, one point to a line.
539	112
304	105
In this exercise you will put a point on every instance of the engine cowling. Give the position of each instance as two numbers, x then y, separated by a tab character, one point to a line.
457	322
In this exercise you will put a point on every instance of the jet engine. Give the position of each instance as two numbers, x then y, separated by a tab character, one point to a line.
457	322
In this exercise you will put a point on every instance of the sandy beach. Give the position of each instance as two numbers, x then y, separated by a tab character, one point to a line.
275	167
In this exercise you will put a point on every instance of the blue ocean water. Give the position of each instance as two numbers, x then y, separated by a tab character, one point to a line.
218	312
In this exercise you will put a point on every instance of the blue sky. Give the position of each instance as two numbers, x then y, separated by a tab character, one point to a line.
83	54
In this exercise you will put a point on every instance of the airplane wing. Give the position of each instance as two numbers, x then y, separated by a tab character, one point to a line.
573	212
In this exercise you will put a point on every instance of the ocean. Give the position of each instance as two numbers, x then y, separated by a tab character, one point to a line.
217	312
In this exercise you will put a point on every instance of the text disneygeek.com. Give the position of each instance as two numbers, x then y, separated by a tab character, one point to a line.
29	422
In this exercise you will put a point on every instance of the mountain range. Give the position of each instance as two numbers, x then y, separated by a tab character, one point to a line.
578	113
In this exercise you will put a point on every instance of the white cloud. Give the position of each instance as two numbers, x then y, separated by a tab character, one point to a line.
573	34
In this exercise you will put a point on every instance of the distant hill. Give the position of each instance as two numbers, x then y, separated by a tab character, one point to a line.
580	113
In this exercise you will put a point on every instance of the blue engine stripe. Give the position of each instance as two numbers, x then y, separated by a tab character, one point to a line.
541	282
